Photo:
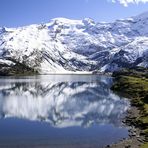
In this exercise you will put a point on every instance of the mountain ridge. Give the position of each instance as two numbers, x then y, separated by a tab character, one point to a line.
76	46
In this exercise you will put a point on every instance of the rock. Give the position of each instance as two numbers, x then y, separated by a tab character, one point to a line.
137	136
133	134
139	139
128	146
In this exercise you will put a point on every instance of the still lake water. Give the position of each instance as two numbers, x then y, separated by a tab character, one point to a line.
60	111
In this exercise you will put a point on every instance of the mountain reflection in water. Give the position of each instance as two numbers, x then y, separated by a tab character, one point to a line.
62	101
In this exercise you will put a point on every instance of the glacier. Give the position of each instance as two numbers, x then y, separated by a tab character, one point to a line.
64	46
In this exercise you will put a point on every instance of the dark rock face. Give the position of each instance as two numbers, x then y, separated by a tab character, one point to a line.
16	69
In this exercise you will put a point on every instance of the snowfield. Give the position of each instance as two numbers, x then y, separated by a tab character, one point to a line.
75	46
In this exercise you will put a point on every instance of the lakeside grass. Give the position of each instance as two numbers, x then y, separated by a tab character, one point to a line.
135	87
144	145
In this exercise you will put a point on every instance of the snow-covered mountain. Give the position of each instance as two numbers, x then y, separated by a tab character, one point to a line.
67	46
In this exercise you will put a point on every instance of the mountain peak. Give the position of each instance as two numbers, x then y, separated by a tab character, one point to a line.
66	20
68	46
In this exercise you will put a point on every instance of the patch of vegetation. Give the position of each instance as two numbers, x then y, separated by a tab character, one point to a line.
133	84
144	145
134	71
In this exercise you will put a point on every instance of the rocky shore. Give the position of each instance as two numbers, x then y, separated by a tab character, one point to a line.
133	84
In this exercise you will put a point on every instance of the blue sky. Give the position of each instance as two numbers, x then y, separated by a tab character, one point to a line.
15	13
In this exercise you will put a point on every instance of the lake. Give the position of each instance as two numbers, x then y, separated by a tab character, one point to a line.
60	111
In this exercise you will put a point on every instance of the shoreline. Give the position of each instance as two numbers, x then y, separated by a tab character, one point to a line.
133	84
135	139
57	73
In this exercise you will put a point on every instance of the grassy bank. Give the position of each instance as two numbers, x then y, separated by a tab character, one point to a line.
133	84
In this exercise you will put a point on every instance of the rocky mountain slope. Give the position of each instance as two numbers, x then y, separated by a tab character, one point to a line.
68	46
